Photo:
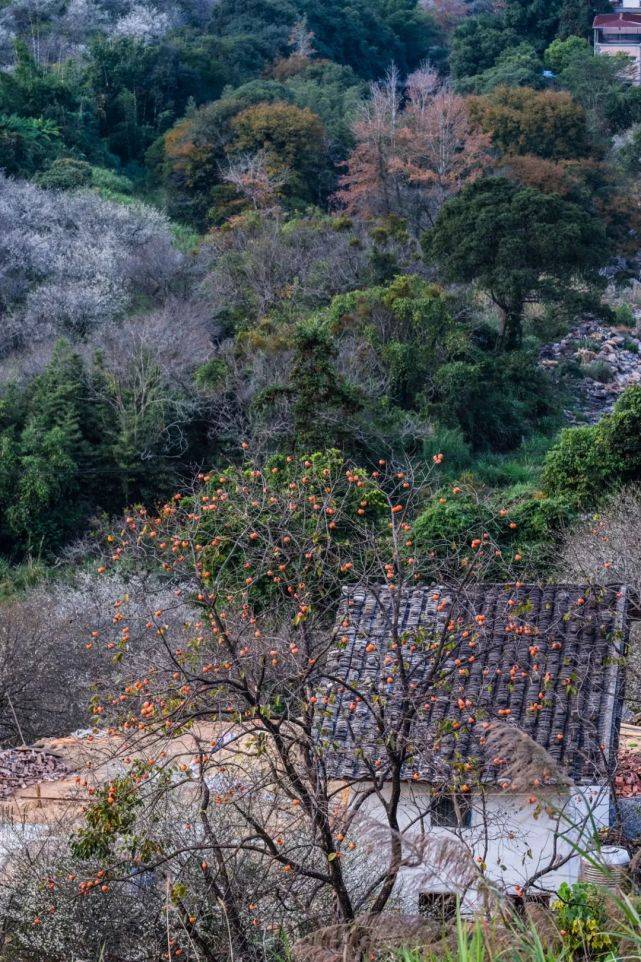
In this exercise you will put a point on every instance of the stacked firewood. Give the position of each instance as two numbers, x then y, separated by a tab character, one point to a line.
20	767
628	778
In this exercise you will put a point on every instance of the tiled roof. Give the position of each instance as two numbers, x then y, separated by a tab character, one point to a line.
617	20
548	660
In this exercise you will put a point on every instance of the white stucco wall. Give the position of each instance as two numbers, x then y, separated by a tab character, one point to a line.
514	838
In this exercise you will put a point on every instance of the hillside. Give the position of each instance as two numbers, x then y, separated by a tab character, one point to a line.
297	298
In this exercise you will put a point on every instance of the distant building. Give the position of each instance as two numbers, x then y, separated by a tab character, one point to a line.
546	661
620	32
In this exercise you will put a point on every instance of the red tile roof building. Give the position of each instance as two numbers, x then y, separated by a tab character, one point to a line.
620	33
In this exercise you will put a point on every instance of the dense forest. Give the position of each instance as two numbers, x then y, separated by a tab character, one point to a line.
269	221
299	239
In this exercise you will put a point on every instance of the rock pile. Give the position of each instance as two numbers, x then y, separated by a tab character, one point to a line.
604	360
20	767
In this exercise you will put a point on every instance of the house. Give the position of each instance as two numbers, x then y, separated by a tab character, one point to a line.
538	668
620	33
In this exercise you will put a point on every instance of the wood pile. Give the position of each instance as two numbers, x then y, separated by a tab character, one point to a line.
627	781
20	767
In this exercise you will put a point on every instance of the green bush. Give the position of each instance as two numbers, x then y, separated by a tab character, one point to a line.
587	463
27	144
622	434
451	443
522	525
495	399
582	918
624	315
579	466
110	184
66	173
599	371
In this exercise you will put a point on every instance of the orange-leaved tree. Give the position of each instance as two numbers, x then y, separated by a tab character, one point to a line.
409	159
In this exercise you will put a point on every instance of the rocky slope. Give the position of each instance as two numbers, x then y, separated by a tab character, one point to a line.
599	361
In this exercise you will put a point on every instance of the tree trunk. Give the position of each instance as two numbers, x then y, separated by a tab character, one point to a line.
510	326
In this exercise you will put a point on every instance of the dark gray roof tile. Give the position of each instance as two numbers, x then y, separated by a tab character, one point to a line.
547	659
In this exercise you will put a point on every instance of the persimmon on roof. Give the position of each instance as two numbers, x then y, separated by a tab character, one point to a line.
546	659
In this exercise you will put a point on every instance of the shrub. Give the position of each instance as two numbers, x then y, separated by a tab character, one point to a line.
109	184
523	527
587	463
622	433
580	466
495	399
66	173
624	315
582	918
599	371
452	444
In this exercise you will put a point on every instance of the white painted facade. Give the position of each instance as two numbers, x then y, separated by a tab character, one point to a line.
512	835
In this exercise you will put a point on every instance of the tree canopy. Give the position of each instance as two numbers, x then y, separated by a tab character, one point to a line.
515	242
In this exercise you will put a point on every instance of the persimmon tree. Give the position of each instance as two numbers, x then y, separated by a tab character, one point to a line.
261	554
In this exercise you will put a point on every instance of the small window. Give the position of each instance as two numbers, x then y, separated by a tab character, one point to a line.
520	902
437	907
451	811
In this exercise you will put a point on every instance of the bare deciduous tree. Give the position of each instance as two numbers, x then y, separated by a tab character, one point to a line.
409	161
250	174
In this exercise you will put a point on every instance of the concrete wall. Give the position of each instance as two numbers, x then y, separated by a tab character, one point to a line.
511	835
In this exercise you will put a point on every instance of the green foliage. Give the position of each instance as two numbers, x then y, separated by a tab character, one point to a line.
598	84
109	819
518	66
524	121
40	482
579	466
420	335
288	523
477	43
366	35
66	173
561	53
441	368
144	87
599	371
628	154
59	97
495	400
27	144
540	21
582	916
451	443
622	432
66	454
520	525
540	245
333	92
369	35
624	315
110	185
589	462
322	401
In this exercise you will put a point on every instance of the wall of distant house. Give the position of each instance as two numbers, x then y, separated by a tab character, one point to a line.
634	52
512	836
